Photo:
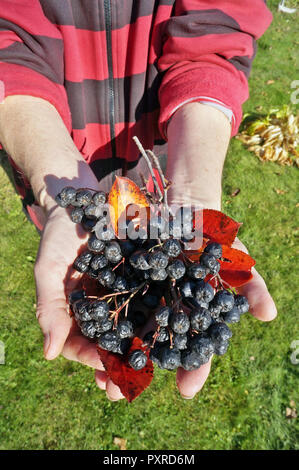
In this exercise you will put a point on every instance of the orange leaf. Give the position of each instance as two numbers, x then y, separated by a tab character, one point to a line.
131	382
124	193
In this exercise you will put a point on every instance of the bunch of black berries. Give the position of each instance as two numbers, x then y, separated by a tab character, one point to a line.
146	275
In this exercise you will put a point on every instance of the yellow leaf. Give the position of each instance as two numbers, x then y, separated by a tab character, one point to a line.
124	193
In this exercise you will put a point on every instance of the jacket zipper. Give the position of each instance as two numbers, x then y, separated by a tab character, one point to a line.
108	24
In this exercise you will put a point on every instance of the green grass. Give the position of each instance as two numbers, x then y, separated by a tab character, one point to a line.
56	405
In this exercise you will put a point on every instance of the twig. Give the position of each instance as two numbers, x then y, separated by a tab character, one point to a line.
158	166
113	294
224	282
155	336
149	195
170	337
121	262
166	184
127	301
150	167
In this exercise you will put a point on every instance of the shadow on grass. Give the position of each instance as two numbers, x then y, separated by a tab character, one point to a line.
6	167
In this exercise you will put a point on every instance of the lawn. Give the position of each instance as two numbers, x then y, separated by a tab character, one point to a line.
56	405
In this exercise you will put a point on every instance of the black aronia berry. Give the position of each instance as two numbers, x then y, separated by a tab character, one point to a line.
144	277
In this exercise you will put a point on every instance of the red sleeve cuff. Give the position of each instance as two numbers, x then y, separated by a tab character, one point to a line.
202	79
19	80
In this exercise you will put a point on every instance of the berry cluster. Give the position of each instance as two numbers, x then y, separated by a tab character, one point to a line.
144	275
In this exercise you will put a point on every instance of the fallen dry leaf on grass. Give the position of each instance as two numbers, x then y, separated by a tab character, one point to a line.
280	191
291	413
236	192
274	137
120	442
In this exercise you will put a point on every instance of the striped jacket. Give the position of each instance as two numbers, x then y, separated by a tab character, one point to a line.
118	68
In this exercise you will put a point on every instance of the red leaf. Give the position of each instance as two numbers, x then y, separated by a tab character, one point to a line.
236	259
236	271
124	193
230	278
235	278
217	226
131	382
92	287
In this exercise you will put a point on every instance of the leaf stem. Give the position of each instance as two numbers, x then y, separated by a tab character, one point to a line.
150	166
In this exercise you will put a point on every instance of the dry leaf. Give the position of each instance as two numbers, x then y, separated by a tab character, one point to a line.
274	137
292	404
236	192
270	82
279	191
120	442
291	413
252	358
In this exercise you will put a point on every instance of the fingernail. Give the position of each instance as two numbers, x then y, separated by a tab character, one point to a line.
188	398
110	399
47	343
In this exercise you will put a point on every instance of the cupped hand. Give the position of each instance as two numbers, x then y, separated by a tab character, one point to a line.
54	277
262	307
60	243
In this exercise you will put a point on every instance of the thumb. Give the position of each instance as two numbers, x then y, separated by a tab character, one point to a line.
189	383
262	305
51	311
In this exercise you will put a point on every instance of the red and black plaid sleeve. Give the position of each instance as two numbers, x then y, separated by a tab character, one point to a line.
115	69
32	54
208	49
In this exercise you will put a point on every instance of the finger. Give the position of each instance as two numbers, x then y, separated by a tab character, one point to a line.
113	392
261	304
189	383
80	349
101	379
51	270
51	313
